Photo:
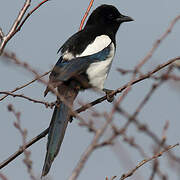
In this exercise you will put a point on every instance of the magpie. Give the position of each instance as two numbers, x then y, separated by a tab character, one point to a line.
85	61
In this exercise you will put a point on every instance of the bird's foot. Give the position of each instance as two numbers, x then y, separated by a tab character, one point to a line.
57	103
110	97
71	118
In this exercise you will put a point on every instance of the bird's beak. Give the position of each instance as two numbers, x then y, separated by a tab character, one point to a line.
124	19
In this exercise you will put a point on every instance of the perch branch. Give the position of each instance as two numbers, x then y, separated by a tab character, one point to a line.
87	106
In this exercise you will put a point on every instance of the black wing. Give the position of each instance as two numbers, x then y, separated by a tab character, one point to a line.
78	42
63	71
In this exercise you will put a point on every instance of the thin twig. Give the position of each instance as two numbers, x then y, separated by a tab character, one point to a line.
86	14
147	97
155	168
25	85
157	42
3	177
144	128
119	90
131	172
97	136
87	106
27	161
99	132
114	177
18	23
1	34
14	59
28	98
21	150
27	16
11	33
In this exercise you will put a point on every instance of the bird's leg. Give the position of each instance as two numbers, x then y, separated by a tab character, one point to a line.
71	118
57	104
108	92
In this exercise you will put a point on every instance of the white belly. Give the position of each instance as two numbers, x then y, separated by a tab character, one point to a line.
98	72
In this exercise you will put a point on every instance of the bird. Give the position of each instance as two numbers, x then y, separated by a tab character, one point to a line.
85	61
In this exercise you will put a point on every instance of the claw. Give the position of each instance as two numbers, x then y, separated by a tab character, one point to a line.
110	98
71	119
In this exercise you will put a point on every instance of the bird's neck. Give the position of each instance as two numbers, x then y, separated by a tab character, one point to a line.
101	30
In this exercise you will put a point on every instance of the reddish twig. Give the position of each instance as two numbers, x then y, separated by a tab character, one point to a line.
148	56
28	98
86	14
18	23
87	106
113	178
14	59
144	128
147	97
1	35
6	38
93	144
109	118
119	90
3	177
173	77
157	43
131	172
21	150
27	16
27	161
126	71
128	140
25	85
155	168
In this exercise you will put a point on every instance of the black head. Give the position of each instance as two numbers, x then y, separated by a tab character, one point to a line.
107	16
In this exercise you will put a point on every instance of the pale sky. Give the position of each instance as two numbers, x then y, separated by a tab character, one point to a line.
37	43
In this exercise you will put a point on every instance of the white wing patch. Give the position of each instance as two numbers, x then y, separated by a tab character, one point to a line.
67	55
98	72
97	45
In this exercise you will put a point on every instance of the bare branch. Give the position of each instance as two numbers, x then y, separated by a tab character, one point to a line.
144	128
119	90
97	136
3	177
27	161
109	118
29	14
87	106
25	85
14	59
86	14
1	34
113	178
18	23
28	98
156	168
21	150
11	33
131	172
157	42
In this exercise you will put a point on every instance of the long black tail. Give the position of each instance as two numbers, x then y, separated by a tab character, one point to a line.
56	133
58	125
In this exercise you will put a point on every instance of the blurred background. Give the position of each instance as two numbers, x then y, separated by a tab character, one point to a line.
37	43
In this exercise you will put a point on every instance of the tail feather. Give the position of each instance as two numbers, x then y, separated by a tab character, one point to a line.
58	125
56	133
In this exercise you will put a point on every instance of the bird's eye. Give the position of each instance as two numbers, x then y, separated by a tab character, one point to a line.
110	16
